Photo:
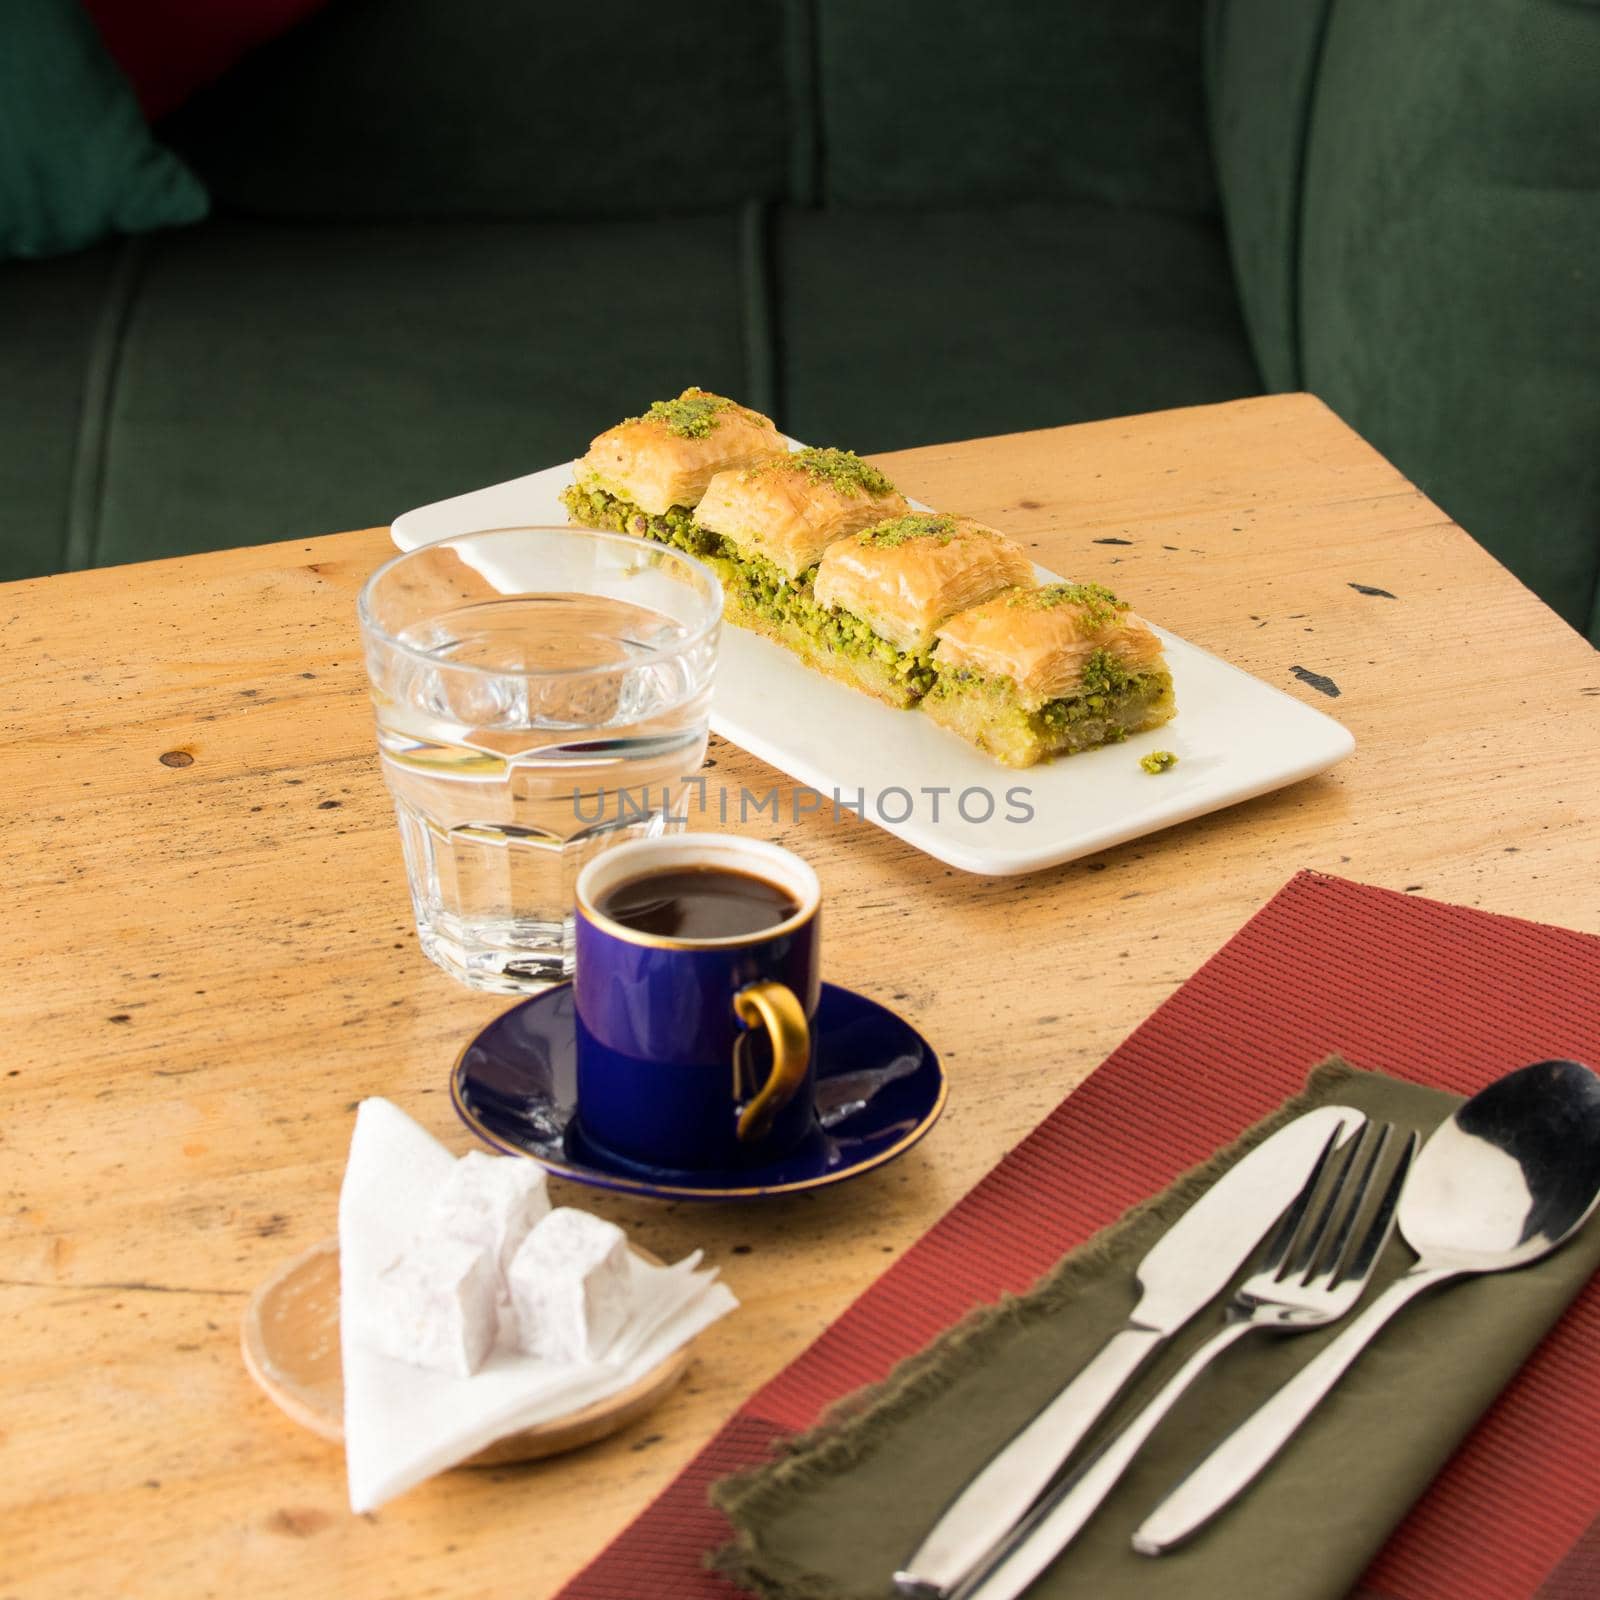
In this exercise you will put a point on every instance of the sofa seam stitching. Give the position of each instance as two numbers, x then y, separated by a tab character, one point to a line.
86	486
1301	198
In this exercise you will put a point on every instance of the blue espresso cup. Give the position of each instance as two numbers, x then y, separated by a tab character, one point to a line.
696	1054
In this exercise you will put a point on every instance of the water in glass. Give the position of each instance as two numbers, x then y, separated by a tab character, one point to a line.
540	695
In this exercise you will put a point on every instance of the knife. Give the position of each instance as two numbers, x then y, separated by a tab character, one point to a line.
1192	1263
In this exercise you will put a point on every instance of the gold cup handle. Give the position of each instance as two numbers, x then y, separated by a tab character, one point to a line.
774	1006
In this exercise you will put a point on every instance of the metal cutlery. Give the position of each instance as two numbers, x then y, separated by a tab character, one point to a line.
1312	1271
1184	1271
1508	1178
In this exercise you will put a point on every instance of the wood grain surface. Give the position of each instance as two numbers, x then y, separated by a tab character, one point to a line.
209	961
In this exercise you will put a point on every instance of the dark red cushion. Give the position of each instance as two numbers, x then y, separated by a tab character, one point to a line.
170	48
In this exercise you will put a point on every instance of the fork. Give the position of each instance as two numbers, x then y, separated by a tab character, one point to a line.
1311	1272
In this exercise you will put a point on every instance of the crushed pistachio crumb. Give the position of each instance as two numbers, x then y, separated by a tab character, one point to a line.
691	416
902	530
1099	605
1158	761
1104	673
843	469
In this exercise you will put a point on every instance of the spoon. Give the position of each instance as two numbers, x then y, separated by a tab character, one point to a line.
1511	1176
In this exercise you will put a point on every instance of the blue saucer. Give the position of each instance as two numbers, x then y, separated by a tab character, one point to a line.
879	1089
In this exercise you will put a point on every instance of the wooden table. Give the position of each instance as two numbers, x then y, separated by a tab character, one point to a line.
209	961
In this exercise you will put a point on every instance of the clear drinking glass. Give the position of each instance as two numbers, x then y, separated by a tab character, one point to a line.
541	694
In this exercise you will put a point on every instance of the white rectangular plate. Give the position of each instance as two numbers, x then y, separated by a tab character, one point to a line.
1235	737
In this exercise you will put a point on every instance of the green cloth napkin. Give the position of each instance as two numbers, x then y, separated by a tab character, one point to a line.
833	1518
76	159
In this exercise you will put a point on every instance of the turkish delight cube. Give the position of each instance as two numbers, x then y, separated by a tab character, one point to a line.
490	1200
571	1289
437	1306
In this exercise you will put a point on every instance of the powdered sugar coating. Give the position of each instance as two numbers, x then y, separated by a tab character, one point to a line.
437	1306
571	1287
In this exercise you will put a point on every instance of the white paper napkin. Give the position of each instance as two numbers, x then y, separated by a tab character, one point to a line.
403	1423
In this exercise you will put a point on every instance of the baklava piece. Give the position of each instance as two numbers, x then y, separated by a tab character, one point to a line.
646	475
884	592
789	509
775	521
1047	672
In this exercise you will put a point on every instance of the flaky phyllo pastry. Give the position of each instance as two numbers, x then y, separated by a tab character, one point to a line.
656	468
907	576
819	551
1048	671
866	612
790	508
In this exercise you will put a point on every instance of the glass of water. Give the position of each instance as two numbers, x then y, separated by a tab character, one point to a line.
541	694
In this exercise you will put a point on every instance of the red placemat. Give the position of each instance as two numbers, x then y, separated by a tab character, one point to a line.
1438	994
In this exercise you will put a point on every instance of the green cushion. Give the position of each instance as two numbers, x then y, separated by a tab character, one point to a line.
274	380
1450	266
901	330
389	109
76	160
1261	64
954	102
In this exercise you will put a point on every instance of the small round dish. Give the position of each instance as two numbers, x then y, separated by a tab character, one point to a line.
880	1088
290	1340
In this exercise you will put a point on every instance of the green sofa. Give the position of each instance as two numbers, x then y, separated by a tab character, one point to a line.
450	244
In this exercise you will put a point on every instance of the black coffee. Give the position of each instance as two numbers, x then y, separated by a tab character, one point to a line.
698	903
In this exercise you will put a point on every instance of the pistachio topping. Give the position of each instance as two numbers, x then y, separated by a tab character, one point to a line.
692	415
1158	761
1104	673
1098	603
843	469
902	530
